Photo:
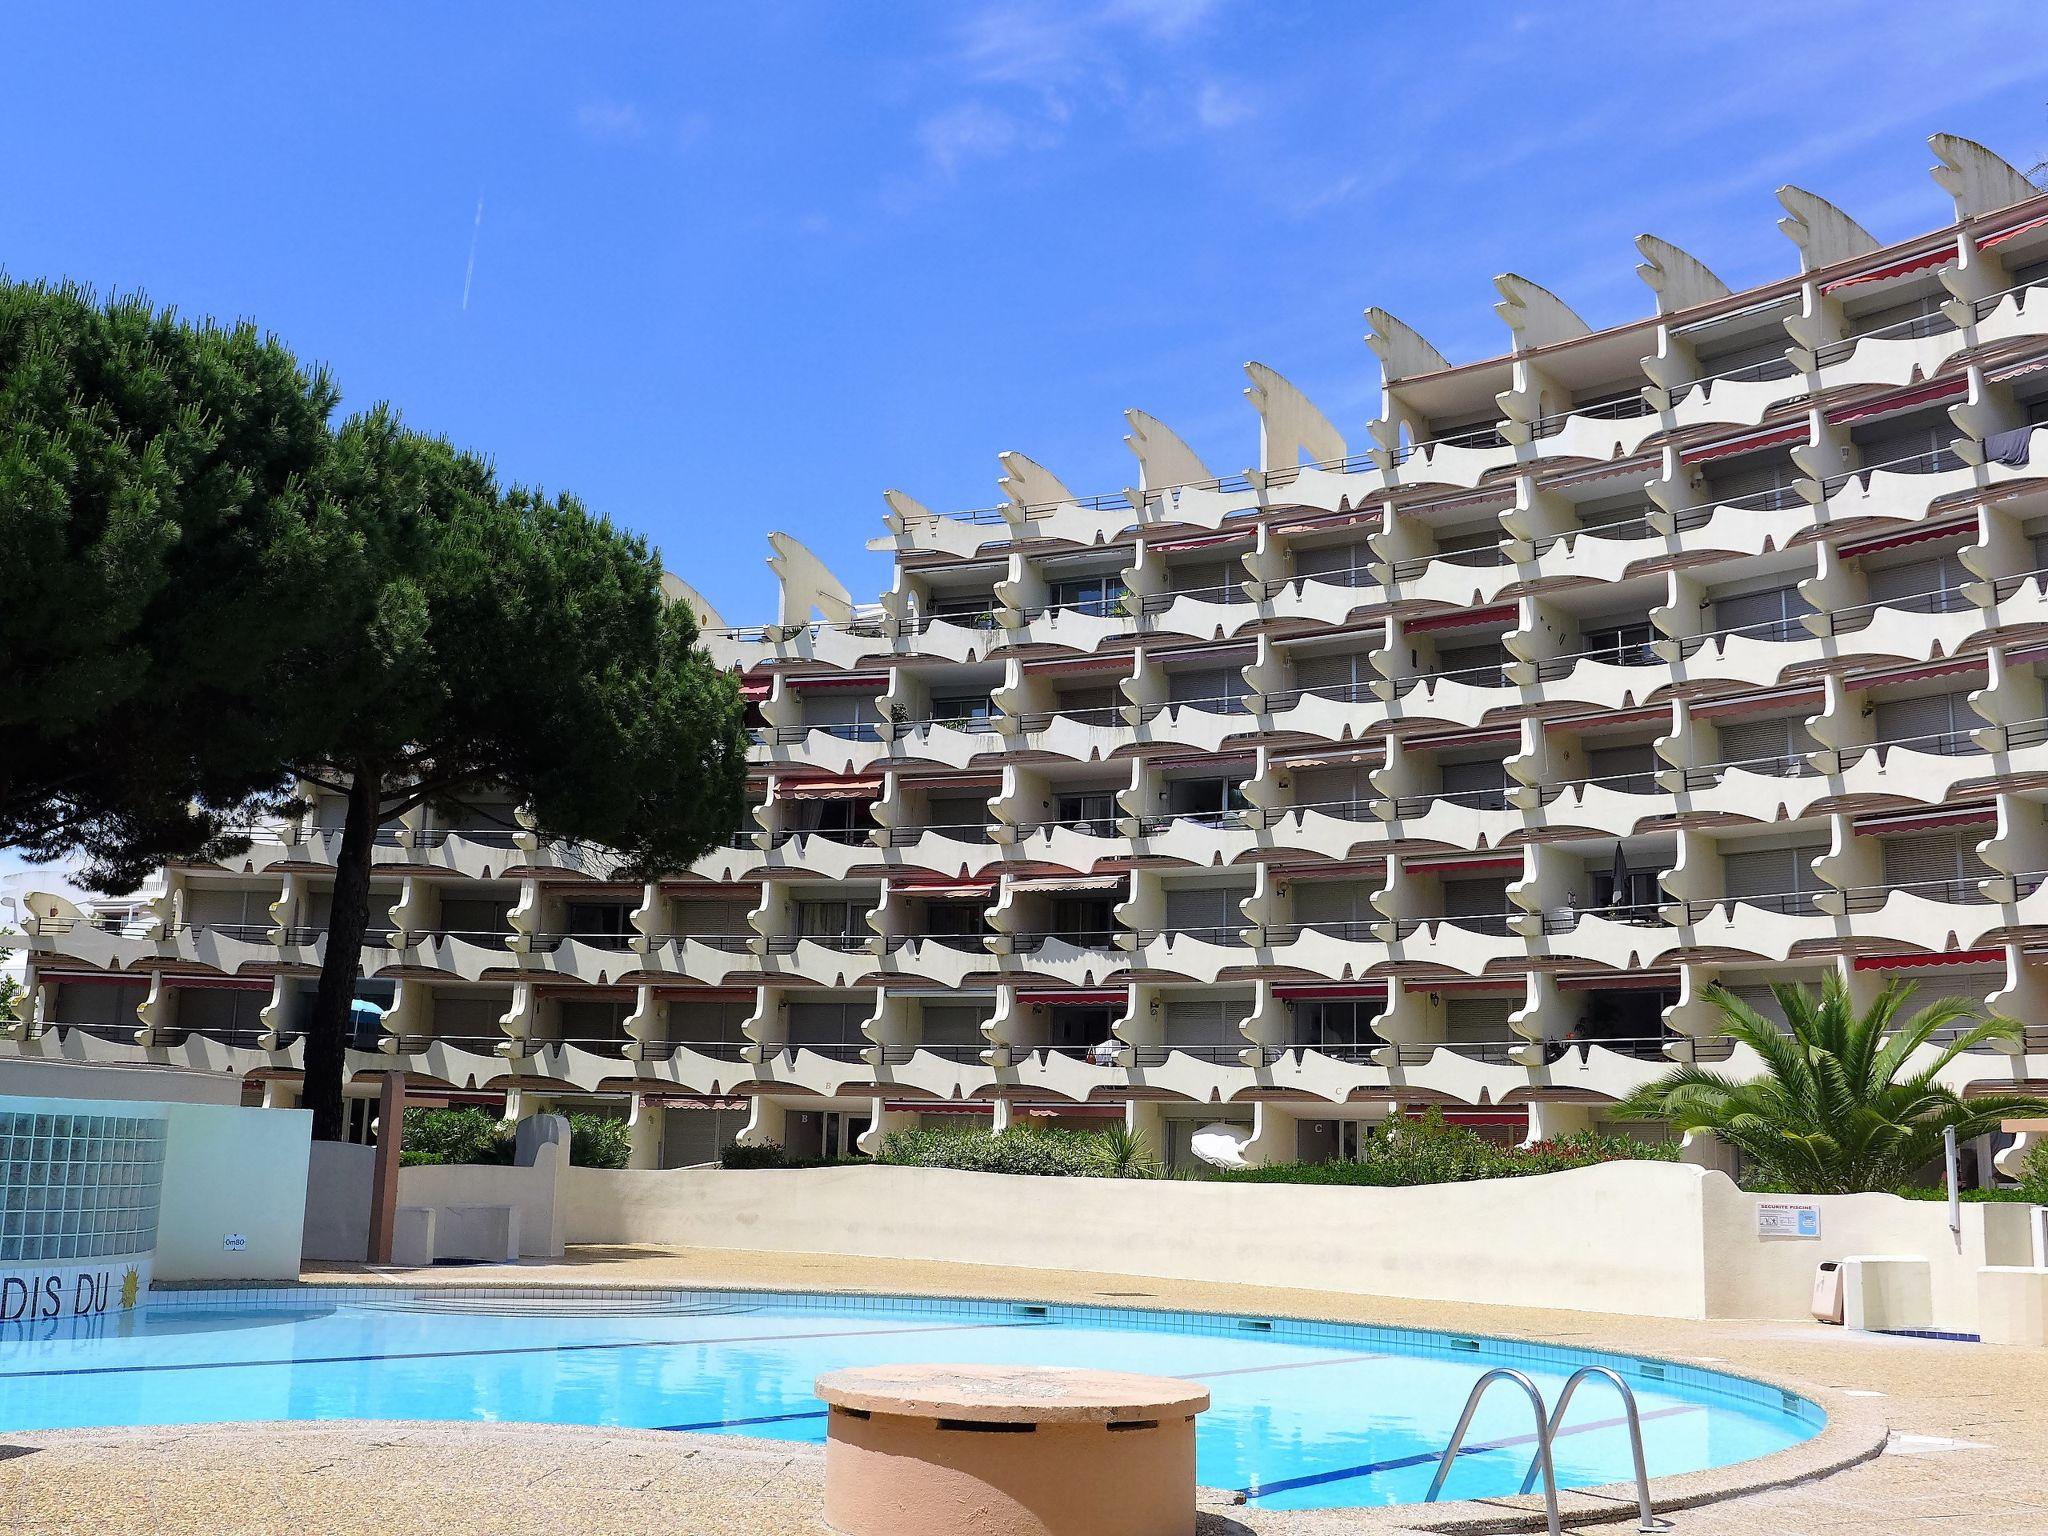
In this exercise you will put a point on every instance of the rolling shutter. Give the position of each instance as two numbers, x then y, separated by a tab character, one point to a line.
1330	786
1333	559
1200	578
1215	907
1945	855
1335	672
709	1021
1777	606
1762	1000
1615	762
1932	714
954	1024
1334	901
1220	683
1475	898
1770	871
1479	1020
826	1023
1944	573
1749	741
1467	778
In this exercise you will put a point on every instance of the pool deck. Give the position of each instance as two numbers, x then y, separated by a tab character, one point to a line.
1925	1435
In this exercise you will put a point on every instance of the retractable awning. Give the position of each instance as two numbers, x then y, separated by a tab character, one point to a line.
1460	865
1917	962
1098	998
1205	541
1327	991
828	682
945	890
1749	442
1061	884
1913	536
1899	266
1903	400
1464	618
832	789
2004	235
1904	823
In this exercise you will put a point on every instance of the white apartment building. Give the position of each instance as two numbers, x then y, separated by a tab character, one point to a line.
1442	763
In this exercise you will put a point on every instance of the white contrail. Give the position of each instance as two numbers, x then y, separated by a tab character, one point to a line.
469	272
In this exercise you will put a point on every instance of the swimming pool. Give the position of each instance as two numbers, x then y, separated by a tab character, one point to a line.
1304	1415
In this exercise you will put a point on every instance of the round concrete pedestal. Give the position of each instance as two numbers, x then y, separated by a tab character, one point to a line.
938	1450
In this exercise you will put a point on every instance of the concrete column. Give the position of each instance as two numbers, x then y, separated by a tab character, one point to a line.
1143	1118
384	1172
278	1094
1000	1122
1547	1120
645	1119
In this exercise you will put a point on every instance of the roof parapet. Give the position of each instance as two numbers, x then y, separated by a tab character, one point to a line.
806	584
1535	316
1977	179
1164	459
1678	278
1289	423
1823	233
1402	350
905	511
676	590
1027	483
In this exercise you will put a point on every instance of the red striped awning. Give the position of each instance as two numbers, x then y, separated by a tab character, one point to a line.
1062	884
1902	400
1464	984
1912	536
830	789
1609	719
1918	962
1897	267
1118	662
951	781
1748	442
1618	981
1320	990
1865	680
2004	235
1329	520
940	1106
1463	618
825	682
1205	541
1311	873
99	978
753	692
1756	704
1459	863
1077	998
1899	823
217	983
1461	739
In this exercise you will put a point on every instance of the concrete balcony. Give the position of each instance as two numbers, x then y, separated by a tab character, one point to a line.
816	855
1467	945
1319	600
1076	960
1473	580
1204	839
1768	927
1740	397
945	959
938	741
1201	955
1467	819
840	750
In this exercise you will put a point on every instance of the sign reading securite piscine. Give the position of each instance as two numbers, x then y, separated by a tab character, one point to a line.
30	1294
1787	1218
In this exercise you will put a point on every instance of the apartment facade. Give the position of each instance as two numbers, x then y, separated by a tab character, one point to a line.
1446	764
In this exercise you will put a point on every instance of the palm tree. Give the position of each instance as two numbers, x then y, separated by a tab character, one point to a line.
1123	1154
1835	1110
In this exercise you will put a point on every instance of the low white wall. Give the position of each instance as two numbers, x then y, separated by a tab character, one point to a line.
338	1182
1623	1237
1752	1276
534	1191
1650	1239
232	1173
115	1080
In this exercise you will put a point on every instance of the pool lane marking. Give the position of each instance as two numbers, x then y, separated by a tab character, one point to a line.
1285	1365
1241	1370
527	1349
766	1418
1426	1458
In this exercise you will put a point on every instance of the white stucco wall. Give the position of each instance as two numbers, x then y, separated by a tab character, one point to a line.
1619	1238
1650	1239
72	1080
230	1171
543	1217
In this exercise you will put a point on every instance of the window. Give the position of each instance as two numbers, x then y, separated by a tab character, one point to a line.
1100	595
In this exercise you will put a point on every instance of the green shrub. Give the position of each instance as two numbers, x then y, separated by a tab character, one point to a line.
772	1155
1432	1151
436	1137
1025	1149
2034	1175
599	1141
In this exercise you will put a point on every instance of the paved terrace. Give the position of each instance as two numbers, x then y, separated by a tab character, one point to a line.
1913	1398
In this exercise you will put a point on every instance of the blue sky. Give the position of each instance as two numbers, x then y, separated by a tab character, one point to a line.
743	267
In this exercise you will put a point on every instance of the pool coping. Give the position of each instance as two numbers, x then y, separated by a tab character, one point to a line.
1855	1430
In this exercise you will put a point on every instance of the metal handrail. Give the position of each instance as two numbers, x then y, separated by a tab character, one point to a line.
1646	1522
1503	1373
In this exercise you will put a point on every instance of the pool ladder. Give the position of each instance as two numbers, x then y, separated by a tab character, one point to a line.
1547	1425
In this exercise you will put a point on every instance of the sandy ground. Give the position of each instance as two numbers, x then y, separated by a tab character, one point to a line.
1925	1436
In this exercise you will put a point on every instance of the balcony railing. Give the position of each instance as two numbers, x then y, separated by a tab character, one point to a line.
1223	821
1959	743
1635	915
958	831
1642	783
1790	766
1790	903
1228	592
1748	373
1490	676
1933	462
1842	621
1079	938
1638	654
1932	324
1621	408
1960	893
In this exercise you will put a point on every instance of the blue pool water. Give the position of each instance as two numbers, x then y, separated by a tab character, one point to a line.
1304	1415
